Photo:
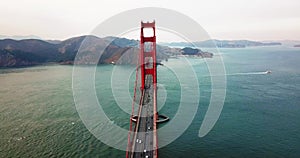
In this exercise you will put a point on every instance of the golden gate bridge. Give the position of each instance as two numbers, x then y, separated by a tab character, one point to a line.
142	135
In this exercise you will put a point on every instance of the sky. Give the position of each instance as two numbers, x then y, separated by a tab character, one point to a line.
222	19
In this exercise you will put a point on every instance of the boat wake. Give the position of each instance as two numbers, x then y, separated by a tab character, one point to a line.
247	73
250	73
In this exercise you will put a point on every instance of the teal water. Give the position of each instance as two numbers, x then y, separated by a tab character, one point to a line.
260	117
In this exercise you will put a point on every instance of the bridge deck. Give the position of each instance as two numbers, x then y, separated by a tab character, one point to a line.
144	140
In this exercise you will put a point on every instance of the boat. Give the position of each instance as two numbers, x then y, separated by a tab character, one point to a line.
268	71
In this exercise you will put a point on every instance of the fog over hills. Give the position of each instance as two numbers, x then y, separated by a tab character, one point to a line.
20	37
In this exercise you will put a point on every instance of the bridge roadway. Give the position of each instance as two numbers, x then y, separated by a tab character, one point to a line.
144	140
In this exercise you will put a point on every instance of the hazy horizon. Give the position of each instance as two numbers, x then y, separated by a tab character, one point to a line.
24	37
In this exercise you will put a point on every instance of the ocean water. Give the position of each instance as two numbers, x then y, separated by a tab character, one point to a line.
260	117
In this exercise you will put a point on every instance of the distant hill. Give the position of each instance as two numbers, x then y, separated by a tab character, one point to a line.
297	45
14	53
196	52
289	43
32	51
222	44
122	42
